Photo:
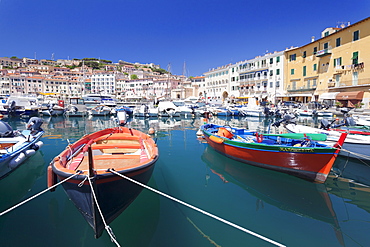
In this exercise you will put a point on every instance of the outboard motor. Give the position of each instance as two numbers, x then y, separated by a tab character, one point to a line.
349	121
325	124
6	130
34	124
288	118
12	108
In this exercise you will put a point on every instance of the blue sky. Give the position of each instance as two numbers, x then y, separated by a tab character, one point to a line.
202	33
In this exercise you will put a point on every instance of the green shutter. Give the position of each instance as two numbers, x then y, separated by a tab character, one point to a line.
355	55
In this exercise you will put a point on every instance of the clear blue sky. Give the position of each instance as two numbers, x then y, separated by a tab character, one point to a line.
203	33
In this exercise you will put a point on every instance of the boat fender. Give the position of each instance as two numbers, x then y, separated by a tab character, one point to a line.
52	178
30	152
17	161
37	145
225	133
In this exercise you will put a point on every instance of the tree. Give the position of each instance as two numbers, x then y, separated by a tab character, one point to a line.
134	77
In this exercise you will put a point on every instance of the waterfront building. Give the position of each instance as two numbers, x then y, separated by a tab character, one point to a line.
217	83
199	85
262	77
332	67
103	82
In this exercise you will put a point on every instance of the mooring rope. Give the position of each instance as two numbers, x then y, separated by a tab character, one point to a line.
38	194
363	156
198	209
106	226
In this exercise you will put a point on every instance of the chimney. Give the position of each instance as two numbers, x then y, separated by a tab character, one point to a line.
312	38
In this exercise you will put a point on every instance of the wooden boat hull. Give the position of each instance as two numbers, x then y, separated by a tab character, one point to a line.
313	164
113	193
104	154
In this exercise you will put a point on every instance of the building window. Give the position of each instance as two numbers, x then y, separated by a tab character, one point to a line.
326	33
277	59
337	62
292	57
315	67
314	50
292	71
277	84
293	85
314	83
304	54
356	35
277	71
326	46
271	73
355	57
337	42
304	70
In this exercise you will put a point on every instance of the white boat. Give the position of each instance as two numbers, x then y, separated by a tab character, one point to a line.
52	108
100	110
16	146
145	111
20	105
97	99
355	145
185	109
76	108
252	109
168	109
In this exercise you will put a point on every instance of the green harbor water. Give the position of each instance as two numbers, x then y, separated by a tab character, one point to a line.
285	209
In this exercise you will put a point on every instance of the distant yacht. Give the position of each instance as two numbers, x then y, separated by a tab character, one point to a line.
98	99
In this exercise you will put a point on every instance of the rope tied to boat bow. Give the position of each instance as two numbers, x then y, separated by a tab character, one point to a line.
197	209
106	226
38	194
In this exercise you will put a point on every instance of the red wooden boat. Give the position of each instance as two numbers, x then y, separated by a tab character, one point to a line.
298	155
97	160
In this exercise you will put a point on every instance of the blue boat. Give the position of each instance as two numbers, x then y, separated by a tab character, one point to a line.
16	146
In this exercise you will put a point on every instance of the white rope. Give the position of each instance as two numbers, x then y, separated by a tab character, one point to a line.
38	194
198	209
357	154
109	230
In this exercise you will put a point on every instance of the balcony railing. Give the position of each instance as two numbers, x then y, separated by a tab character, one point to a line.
344	68
323	52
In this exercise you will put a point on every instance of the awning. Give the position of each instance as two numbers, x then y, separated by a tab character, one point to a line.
328	96
358	95
300	95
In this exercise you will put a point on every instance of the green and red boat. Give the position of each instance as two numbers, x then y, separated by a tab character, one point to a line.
296	154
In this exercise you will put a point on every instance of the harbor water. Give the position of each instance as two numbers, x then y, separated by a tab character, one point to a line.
276	206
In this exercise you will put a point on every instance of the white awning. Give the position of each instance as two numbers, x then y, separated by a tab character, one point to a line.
328	96
300	95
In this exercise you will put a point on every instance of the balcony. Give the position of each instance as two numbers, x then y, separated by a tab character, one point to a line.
344	68
323	53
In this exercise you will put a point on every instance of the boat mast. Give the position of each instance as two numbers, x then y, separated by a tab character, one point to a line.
168	81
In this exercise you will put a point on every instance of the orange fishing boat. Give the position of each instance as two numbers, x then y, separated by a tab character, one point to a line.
95	167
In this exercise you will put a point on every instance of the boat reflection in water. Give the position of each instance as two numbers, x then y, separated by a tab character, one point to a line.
288	193
14	187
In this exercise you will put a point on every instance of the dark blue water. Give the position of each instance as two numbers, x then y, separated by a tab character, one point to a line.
280	207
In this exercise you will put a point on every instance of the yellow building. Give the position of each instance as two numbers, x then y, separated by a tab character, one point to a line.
333	67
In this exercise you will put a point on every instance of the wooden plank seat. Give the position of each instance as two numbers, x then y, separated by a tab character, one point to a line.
116	145
118	136
116	156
